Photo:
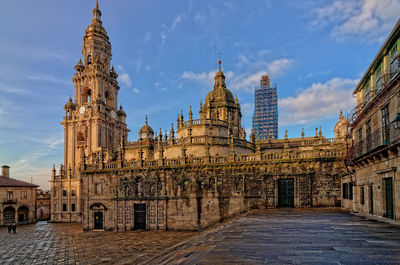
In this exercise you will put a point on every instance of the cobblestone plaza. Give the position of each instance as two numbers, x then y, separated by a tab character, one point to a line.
277	236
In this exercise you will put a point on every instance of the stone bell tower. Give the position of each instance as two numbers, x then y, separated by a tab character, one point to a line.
93	123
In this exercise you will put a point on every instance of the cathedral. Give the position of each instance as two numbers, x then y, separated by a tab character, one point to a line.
200	173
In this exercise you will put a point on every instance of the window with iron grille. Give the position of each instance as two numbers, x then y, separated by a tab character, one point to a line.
394	65
385	125
368	135
379	79
367	92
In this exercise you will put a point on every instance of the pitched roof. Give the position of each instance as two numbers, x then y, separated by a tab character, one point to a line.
9	182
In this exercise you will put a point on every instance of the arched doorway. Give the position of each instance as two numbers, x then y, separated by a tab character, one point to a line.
9	215
23	214
98	210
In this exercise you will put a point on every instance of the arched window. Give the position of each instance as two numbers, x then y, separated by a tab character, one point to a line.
89	60
80	138
87	96
108	98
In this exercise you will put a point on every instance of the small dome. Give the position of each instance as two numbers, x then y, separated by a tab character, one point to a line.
96	28
146	131
121	112
220	95
70	104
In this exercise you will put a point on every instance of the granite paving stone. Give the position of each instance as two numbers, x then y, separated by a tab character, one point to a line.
47	243
276	236
292	236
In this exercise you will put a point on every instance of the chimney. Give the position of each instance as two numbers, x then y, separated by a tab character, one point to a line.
5	171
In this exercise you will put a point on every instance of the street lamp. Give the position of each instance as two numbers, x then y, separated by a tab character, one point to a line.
396	121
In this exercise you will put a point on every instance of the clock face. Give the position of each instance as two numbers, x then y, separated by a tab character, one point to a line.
144	135
82	110
113	114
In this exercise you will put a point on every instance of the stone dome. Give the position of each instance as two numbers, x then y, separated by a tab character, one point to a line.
220	93
146	131
96	28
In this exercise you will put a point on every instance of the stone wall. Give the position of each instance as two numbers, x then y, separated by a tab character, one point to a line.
194	197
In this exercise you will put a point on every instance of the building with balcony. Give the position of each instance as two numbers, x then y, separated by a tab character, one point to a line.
17	200
373	184
265	117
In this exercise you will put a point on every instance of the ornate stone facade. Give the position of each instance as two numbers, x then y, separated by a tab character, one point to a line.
204	171
93	124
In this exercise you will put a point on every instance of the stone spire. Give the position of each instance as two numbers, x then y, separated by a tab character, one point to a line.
171	134
181	117
219	77
96	14
190	113
96	41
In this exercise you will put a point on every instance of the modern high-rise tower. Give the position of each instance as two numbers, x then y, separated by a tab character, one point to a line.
265	117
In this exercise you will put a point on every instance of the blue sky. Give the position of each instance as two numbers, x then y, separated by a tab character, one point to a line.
165	55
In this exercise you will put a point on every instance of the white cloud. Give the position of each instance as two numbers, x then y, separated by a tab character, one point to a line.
136	91
202	77
12	90
147	37
278	67
371	19
35	53
317	102
316	73
166	30
124	77
159	86
242	82
138	62
49	78
245	82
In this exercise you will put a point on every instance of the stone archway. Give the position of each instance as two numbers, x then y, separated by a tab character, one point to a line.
23	214
98	211
9	215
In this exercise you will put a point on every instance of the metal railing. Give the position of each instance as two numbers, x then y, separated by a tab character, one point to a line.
10	201
380	138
